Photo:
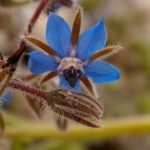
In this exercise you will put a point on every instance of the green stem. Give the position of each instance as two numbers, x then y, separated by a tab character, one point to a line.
112	128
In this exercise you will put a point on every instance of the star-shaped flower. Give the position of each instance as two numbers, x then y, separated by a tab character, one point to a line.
73	56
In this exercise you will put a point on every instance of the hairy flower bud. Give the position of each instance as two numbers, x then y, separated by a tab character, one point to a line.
67	104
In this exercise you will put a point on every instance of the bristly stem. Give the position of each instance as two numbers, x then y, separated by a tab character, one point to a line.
15	56
19	51
28	89
33	20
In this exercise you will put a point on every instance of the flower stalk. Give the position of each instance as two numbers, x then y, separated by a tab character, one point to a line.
36	14
27	89
11	63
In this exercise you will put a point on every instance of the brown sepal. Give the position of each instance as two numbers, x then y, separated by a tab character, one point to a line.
105	53
75	106
41	45
76	28
74	117
88	84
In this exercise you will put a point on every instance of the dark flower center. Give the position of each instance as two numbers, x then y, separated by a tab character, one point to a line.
72	75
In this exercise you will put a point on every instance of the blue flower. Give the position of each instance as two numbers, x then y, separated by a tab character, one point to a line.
71	56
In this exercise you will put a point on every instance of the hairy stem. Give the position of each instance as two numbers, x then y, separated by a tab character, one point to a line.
19	51
33	20
15	56
28	89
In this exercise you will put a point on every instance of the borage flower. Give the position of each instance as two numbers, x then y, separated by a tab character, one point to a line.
73	56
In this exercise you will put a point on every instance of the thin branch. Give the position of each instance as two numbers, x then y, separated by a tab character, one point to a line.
33	20
19	51
15	56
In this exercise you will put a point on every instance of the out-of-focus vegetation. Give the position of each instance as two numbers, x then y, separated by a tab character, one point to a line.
128	24
12	3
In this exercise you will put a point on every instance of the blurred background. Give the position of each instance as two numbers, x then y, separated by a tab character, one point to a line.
128	24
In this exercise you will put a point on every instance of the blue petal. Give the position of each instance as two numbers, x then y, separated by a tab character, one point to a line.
102	72
6	97
40	62
92	40
63	83
58	34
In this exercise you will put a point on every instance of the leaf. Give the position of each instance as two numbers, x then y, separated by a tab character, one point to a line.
105	53
41	45
76	28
